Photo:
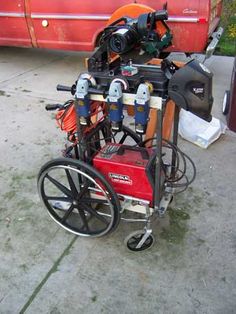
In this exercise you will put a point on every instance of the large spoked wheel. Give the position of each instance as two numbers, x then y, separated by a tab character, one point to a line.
78	197
126	136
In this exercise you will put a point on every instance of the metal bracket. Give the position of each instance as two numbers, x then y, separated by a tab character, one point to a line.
165	201
215	40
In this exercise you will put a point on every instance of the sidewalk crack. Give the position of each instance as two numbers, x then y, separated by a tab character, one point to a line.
46	277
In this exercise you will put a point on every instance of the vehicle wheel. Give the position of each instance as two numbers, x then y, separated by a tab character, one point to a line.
226	102
78	197
127	136
134	238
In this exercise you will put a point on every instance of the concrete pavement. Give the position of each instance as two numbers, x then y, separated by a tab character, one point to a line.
44	269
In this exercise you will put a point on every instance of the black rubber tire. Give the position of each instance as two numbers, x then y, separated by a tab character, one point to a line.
135	237
226	103
93	174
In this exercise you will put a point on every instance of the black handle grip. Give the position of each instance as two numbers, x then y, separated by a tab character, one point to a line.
52	107
63	88
161	15
141	150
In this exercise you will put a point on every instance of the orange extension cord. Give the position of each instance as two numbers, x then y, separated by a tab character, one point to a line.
66	118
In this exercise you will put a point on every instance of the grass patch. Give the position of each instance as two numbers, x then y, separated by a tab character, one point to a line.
177	228
227	44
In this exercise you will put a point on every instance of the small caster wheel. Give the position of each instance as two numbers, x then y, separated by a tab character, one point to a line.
226	101
134	241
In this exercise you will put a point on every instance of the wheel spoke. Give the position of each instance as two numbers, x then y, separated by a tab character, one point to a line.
123	138
93	200
71	183
78	197
114	135
135	240
60	186
67	214
58	198
85	222
83	191
94	213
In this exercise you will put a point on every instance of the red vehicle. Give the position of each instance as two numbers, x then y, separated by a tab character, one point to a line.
77	25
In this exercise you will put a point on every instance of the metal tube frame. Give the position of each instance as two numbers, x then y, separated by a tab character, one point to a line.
175	139
158	188
157	184
80	152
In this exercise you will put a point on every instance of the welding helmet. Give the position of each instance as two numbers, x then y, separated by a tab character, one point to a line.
190	88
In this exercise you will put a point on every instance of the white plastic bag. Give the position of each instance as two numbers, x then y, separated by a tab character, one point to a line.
199	131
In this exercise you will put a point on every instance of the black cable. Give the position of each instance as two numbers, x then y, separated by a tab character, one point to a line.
184	156
176	151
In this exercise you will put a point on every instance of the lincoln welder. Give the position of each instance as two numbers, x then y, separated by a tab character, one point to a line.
109	169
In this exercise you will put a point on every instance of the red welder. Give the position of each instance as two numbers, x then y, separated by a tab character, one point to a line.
130	170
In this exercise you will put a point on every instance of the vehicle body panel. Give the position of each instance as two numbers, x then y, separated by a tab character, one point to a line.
76	25
13	26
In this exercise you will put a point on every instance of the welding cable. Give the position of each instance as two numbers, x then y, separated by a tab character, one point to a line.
142	144
176	167
177	153
184	157
174	177
177	185
193	166
184	186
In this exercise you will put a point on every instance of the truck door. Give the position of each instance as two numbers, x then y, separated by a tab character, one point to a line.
185	21
70	24
13	26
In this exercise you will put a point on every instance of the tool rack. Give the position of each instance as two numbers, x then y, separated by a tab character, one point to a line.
162	194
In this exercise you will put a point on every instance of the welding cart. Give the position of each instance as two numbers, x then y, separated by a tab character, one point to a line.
108	169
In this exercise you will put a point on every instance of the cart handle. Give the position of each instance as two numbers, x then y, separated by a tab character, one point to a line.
141	150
